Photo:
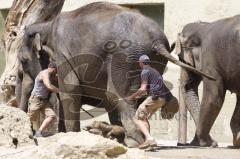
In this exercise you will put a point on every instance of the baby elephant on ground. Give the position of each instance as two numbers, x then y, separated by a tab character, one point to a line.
106	130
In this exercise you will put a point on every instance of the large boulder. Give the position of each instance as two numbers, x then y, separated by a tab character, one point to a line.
15	127
84	145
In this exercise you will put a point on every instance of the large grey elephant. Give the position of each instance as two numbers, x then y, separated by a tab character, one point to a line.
96	48
213	48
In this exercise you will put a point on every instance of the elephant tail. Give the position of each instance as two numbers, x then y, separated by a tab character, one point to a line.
160	49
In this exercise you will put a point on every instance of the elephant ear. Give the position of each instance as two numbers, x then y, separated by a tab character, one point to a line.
195	46
178	45
188	58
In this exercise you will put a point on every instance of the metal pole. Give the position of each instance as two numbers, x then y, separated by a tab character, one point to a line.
182	125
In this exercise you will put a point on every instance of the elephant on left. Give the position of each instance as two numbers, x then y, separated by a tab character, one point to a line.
22	13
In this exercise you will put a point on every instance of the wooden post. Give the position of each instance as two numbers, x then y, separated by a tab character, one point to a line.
182	125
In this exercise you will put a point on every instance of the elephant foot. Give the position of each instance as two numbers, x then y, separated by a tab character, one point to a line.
208	142
236	140
72	126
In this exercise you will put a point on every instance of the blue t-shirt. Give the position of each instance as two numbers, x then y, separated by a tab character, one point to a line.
155	82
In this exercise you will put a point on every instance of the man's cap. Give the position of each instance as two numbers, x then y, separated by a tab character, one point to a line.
52	65
144	58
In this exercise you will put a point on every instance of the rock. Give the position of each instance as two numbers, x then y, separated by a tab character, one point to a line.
74	145
134	153
15	126
91	144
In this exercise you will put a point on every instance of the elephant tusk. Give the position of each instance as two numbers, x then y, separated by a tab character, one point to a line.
37	41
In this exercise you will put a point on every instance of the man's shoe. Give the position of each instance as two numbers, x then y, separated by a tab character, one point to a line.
147	144
38	134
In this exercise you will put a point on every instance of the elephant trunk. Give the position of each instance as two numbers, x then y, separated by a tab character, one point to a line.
26	88
161	50
189	89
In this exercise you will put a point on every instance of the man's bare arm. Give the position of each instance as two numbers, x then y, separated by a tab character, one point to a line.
141	91
47	83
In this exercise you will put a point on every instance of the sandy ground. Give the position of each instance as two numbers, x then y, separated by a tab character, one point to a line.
167	150
195	153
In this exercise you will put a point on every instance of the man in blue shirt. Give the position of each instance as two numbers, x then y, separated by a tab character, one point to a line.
158	96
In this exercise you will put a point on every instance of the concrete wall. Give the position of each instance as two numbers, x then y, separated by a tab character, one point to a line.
154	11
177	13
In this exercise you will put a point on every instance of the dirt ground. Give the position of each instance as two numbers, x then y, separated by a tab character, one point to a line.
172	152
168	150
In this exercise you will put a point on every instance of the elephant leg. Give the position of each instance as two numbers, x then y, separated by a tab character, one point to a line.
235	124
71	108
212	101
61	123
115	119
70	97
26	89
120	111
122	114
133	136
189	89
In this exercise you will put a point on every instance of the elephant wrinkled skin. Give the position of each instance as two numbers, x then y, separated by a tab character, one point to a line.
96	48
212	48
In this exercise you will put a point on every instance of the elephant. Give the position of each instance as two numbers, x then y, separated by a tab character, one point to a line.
212	48
96	48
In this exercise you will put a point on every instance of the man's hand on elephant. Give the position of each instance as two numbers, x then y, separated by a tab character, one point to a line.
130	100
